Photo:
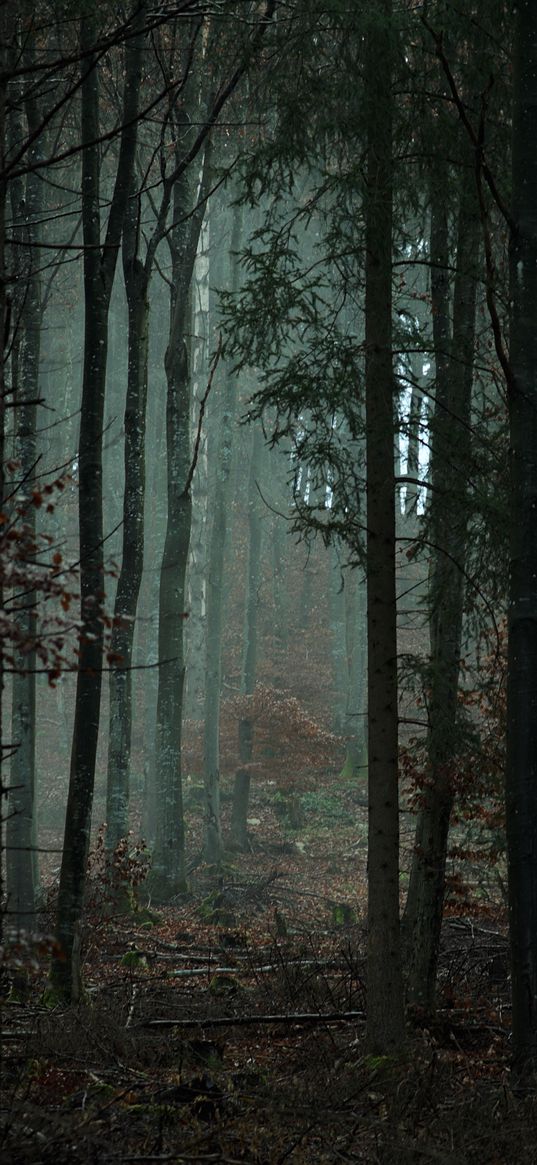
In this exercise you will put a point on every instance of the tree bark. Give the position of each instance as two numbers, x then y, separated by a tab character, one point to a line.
450	458
241	788
168	874
22	867
385	1031
137	277
99	271
521	804
6	17
215	592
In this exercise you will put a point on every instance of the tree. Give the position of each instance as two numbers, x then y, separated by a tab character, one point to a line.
385	1010
241	787
137	276
222	452
447	535
99	271
22	872
521	781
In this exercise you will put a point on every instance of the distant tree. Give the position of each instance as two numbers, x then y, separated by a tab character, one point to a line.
221	504
241	787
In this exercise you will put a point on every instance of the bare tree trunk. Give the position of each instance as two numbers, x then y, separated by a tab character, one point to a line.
6	32
522	673
99	271
137	278
450	458
241	789
168	876
215	592
22	864
338	585
385	1011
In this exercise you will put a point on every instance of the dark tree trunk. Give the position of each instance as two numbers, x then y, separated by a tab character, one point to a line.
22	867
168	875
385	1011
6	16
522	673
99	271
450	459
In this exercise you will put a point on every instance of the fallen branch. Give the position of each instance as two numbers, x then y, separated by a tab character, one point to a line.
244	1020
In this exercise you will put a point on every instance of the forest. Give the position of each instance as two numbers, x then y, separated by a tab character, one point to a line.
268	581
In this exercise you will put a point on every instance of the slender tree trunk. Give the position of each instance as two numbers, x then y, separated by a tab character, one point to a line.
215	593
99	271
385	1011
6	15
207	267
22	863
132	558
168	876
338	585
241	788
522	672
413	454
355	724
451	452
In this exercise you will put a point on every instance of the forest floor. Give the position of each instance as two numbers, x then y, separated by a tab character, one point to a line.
228	1027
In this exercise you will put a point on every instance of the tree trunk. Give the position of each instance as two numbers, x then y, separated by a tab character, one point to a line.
355	724
450	458
132	558
22	867
385	1012
241	789
522	672
168	876
215	593
338	587
99	271
6	16
207	268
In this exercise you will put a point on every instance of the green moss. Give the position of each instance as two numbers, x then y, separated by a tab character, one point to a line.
223	985
343	914
134	959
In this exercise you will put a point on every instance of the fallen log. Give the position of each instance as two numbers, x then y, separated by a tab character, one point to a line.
243	1020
